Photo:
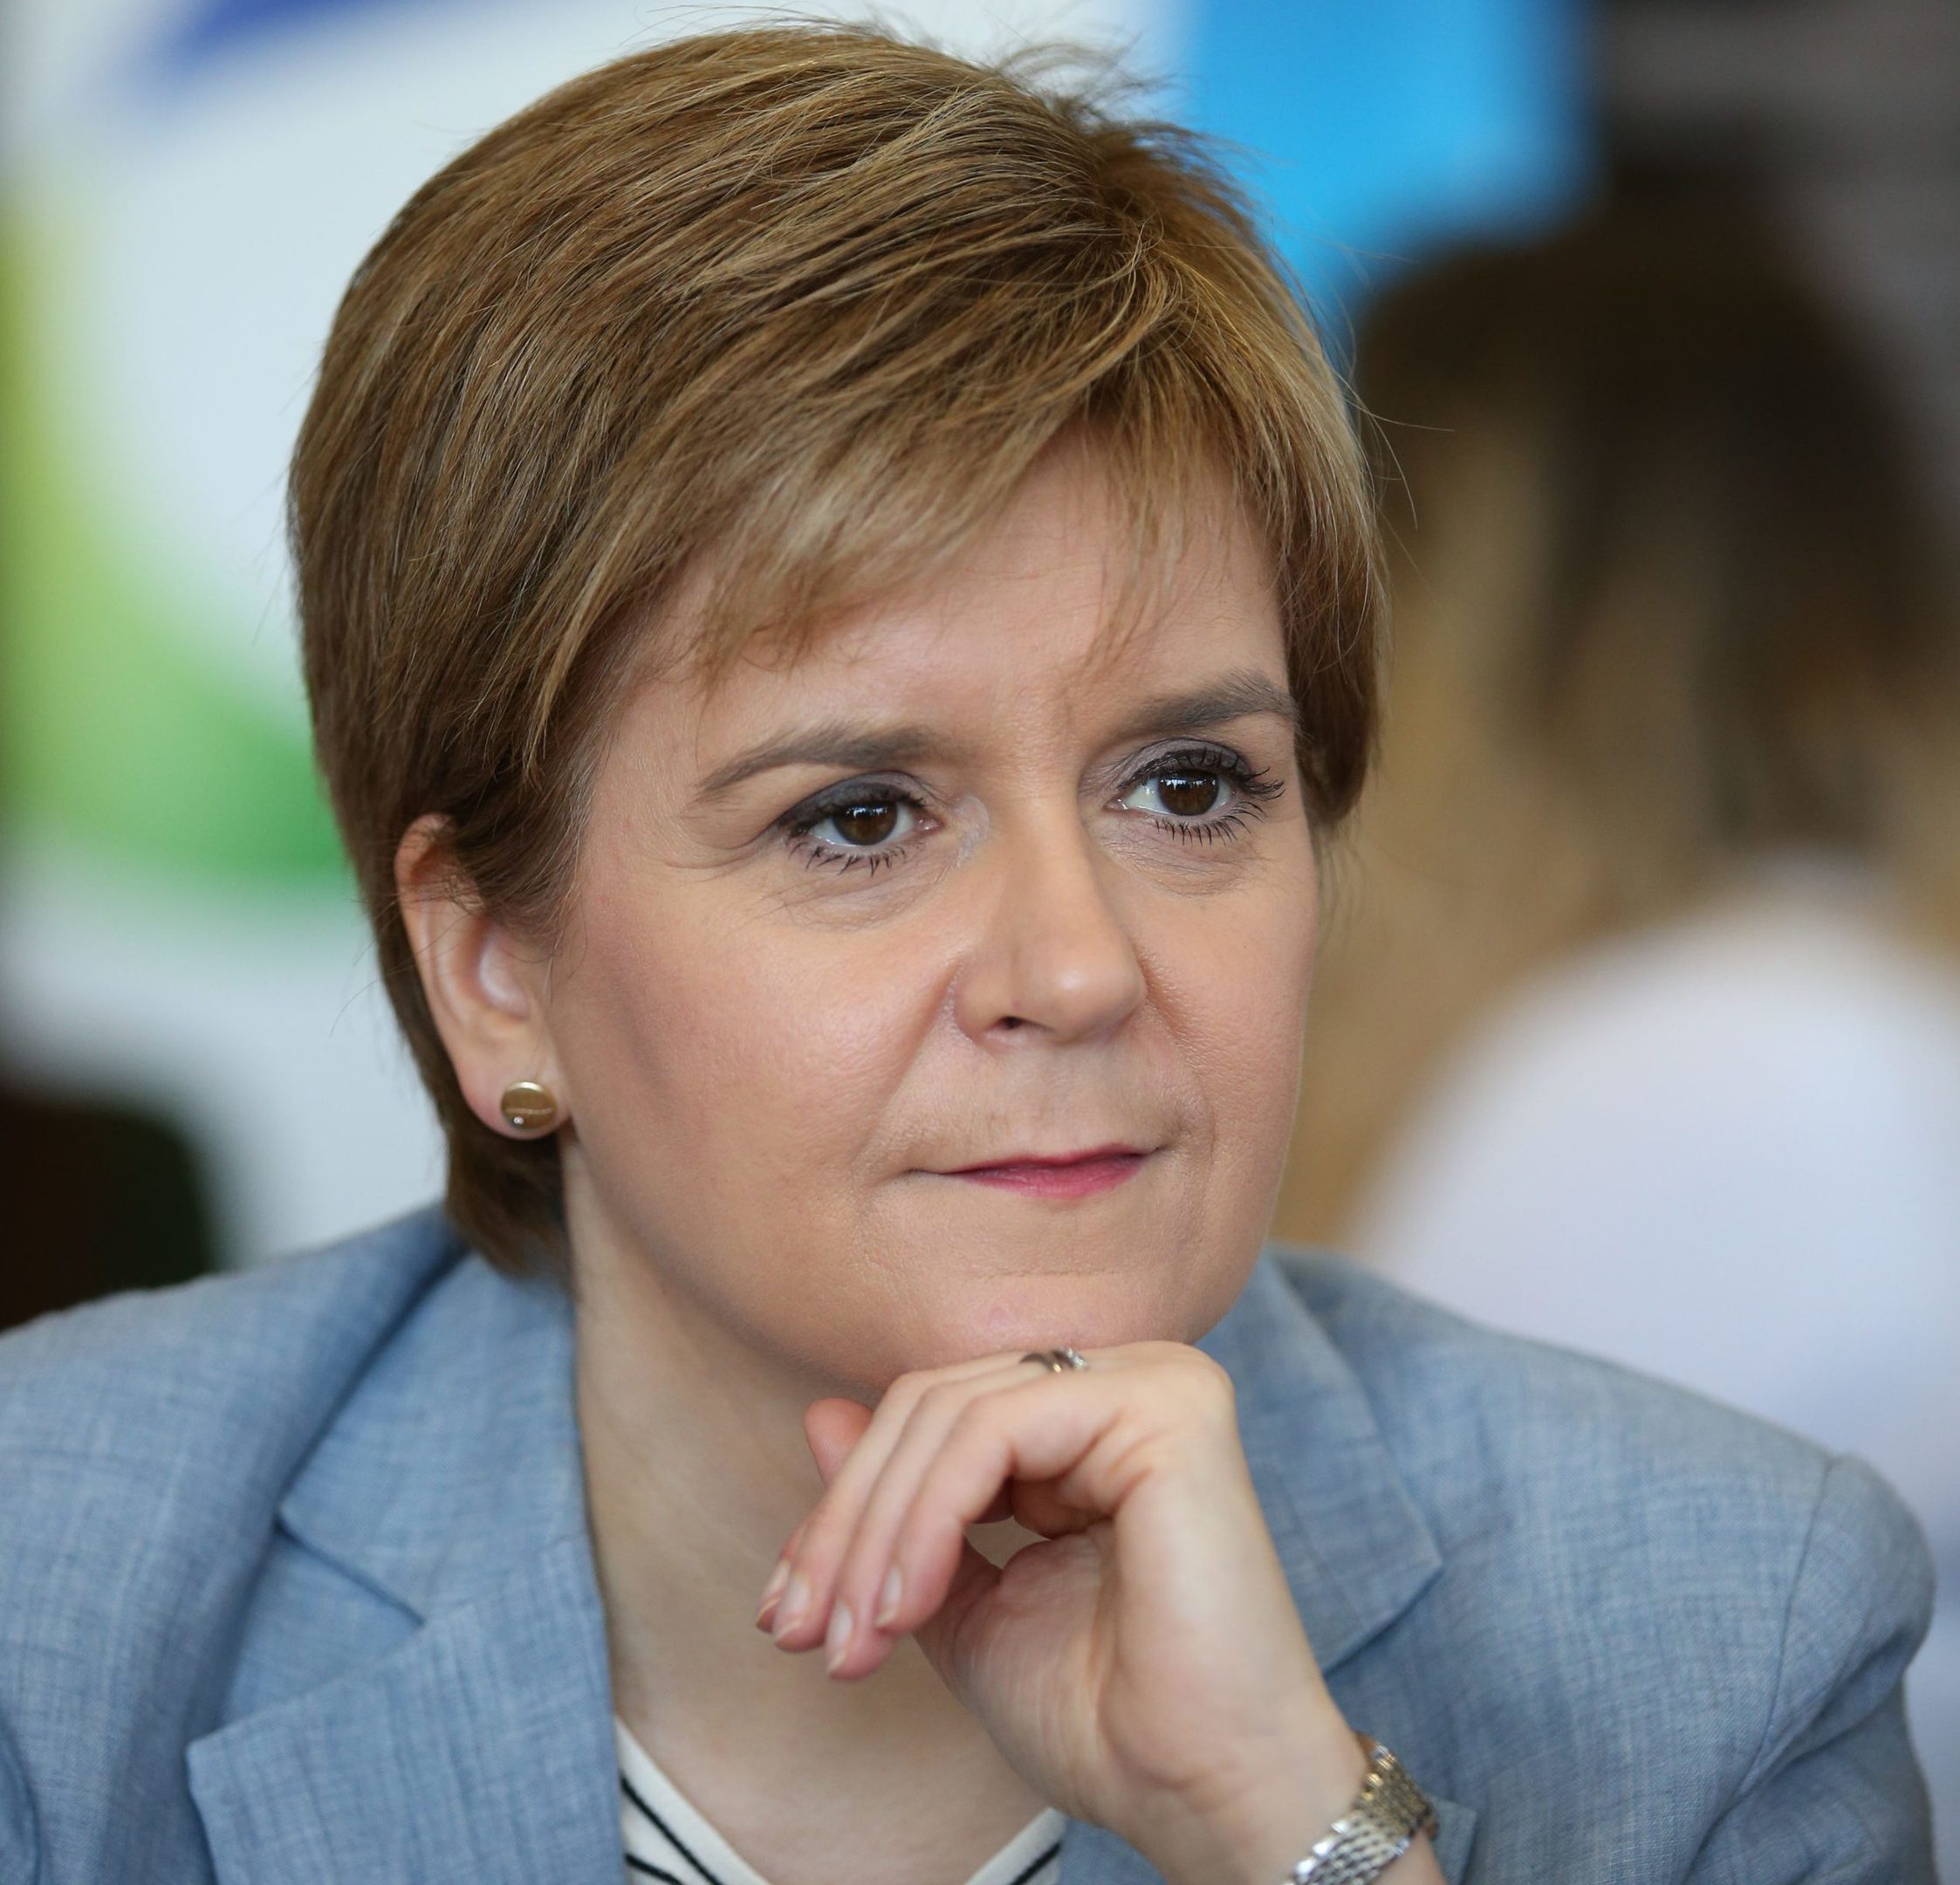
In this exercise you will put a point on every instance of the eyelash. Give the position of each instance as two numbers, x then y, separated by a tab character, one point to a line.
1251	785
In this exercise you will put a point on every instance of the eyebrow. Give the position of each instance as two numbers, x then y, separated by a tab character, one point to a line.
845	742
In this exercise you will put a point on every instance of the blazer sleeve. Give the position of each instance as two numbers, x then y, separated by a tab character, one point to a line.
20	1843
1835	1794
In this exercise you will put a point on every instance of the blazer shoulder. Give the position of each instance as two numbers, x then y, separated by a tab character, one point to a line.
1664	1593
1448	1390
1588	1458
147	1440
247	1363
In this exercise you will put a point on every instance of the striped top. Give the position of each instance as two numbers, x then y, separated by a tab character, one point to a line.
667	1839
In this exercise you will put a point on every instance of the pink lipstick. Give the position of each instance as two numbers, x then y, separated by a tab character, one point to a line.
1071	1175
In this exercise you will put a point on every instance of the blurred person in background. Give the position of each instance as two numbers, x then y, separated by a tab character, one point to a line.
1638	1023
839	605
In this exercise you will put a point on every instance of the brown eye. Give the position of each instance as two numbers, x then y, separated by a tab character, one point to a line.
1200	798
1187	794
872	826
869	823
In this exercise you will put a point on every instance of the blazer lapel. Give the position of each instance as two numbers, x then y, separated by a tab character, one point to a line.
1355	1546
479	1751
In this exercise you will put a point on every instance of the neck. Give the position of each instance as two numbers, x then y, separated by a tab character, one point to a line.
697	1472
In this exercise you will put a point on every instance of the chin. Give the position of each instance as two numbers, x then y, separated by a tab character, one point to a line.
1016	1311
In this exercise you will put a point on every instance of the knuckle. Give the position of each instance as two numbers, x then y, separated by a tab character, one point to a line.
970	1423
1210	1387
907	1391
935	1400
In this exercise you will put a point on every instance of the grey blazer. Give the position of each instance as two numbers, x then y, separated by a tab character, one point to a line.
295	1584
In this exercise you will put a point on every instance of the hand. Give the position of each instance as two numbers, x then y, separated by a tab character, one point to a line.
1143	1667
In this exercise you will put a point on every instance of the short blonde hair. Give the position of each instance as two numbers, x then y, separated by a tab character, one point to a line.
798	306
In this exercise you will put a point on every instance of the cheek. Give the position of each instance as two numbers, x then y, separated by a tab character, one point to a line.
1244	998
744	1067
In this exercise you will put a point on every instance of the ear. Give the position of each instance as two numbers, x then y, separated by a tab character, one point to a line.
486	990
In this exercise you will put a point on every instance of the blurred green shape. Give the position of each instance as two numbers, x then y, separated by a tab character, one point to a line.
119	733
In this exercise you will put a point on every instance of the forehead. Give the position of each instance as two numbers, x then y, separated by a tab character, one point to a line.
1045	615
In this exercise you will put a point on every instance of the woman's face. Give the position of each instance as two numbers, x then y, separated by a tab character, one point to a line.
952	889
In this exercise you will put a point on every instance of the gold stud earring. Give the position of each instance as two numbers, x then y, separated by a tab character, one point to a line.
529	1105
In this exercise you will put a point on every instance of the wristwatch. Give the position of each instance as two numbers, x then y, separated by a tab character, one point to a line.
1375	1831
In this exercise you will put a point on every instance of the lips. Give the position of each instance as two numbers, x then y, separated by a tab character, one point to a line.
1049	1160
1067	1175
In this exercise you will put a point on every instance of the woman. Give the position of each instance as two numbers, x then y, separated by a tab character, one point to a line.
839	606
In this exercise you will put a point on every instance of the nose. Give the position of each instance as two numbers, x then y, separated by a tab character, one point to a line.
1053	953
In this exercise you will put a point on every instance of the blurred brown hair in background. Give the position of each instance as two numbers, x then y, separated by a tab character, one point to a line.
1665	598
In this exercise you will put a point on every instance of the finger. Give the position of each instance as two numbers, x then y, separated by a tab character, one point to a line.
799	1620
772	1591
884	1587
859	1592
830	1526
974	1580
833	1427
1011	1502
1082	1441
1002	1507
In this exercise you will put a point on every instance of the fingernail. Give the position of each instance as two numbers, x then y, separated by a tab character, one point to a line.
889	1599
836	1638
773	1589
796	1601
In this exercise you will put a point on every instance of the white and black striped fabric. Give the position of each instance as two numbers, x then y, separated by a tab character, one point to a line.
666	1838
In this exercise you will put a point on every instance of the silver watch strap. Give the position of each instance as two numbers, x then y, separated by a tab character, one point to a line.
1378	1827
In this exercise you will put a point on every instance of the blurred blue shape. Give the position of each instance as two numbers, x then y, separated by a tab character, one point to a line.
211	28
1381	129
